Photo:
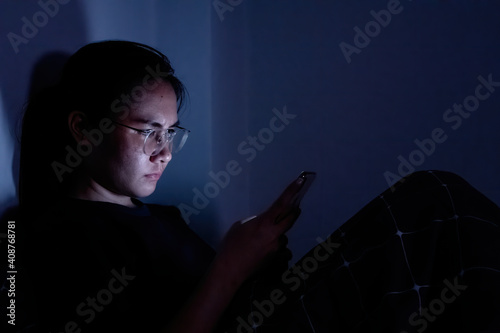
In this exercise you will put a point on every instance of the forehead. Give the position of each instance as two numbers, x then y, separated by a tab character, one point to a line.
157	107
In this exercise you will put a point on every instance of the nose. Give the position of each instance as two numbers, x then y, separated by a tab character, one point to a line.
164	156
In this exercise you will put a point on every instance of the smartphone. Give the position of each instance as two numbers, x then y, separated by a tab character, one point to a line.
307	177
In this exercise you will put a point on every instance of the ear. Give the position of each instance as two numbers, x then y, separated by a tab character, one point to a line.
77	122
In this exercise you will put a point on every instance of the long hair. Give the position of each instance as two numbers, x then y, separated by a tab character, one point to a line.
96	80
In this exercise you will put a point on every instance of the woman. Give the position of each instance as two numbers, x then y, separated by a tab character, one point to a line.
98	259
423	256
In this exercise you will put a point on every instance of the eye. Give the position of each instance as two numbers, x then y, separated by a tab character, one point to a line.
170	133
148	132
158	137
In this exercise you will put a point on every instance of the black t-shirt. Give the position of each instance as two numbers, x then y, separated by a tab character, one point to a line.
96	266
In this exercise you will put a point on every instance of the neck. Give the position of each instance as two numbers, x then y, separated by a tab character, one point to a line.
86	188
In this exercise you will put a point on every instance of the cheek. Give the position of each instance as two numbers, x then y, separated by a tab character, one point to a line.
118	155
129	163
131	180
122	146
125	173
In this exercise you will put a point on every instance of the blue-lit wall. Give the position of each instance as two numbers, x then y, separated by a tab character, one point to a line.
342	88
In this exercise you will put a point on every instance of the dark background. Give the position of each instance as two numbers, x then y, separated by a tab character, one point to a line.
353	120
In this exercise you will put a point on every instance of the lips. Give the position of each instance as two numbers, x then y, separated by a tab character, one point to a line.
153	176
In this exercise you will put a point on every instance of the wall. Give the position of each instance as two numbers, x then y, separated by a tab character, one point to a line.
357	113
366	87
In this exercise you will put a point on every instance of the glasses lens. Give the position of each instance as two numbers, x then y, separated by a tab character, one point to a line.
173	139
179	139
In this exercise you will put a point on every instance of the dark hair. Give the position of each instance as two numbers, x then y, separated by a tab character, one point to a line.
94	79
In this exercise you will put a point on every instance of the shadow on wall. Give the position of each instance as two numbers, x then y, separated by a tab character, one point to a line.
36	39
31	59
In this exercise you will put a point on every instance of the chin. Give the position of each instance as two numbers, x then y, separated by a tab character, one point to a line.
145	192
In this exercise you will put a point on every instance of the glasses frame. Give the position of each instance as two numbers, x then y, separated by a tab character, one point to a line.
148	132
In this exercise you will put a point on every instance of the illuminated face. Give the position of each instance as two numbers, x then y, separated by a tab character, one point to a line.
120	166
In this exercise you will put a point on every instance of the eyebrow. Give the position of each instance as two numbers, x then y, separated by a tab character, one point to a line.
154	123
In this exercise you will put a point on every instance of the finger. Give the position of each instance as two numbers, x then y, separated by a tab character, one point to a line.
285	221
290	212
287	196
284	254
283	241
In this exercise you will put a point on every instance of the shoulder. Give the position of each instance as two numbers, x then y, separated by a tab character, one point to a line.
165	211
174	224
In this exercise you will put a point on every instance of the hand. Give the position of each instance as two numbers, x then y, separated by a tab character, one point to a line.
247	246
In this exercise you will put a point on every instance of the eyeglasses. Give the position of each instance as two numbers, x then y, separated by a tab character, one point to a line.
154	142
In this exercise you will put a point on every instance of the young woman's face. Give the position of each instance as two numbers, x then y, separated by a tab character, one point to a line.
120	165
